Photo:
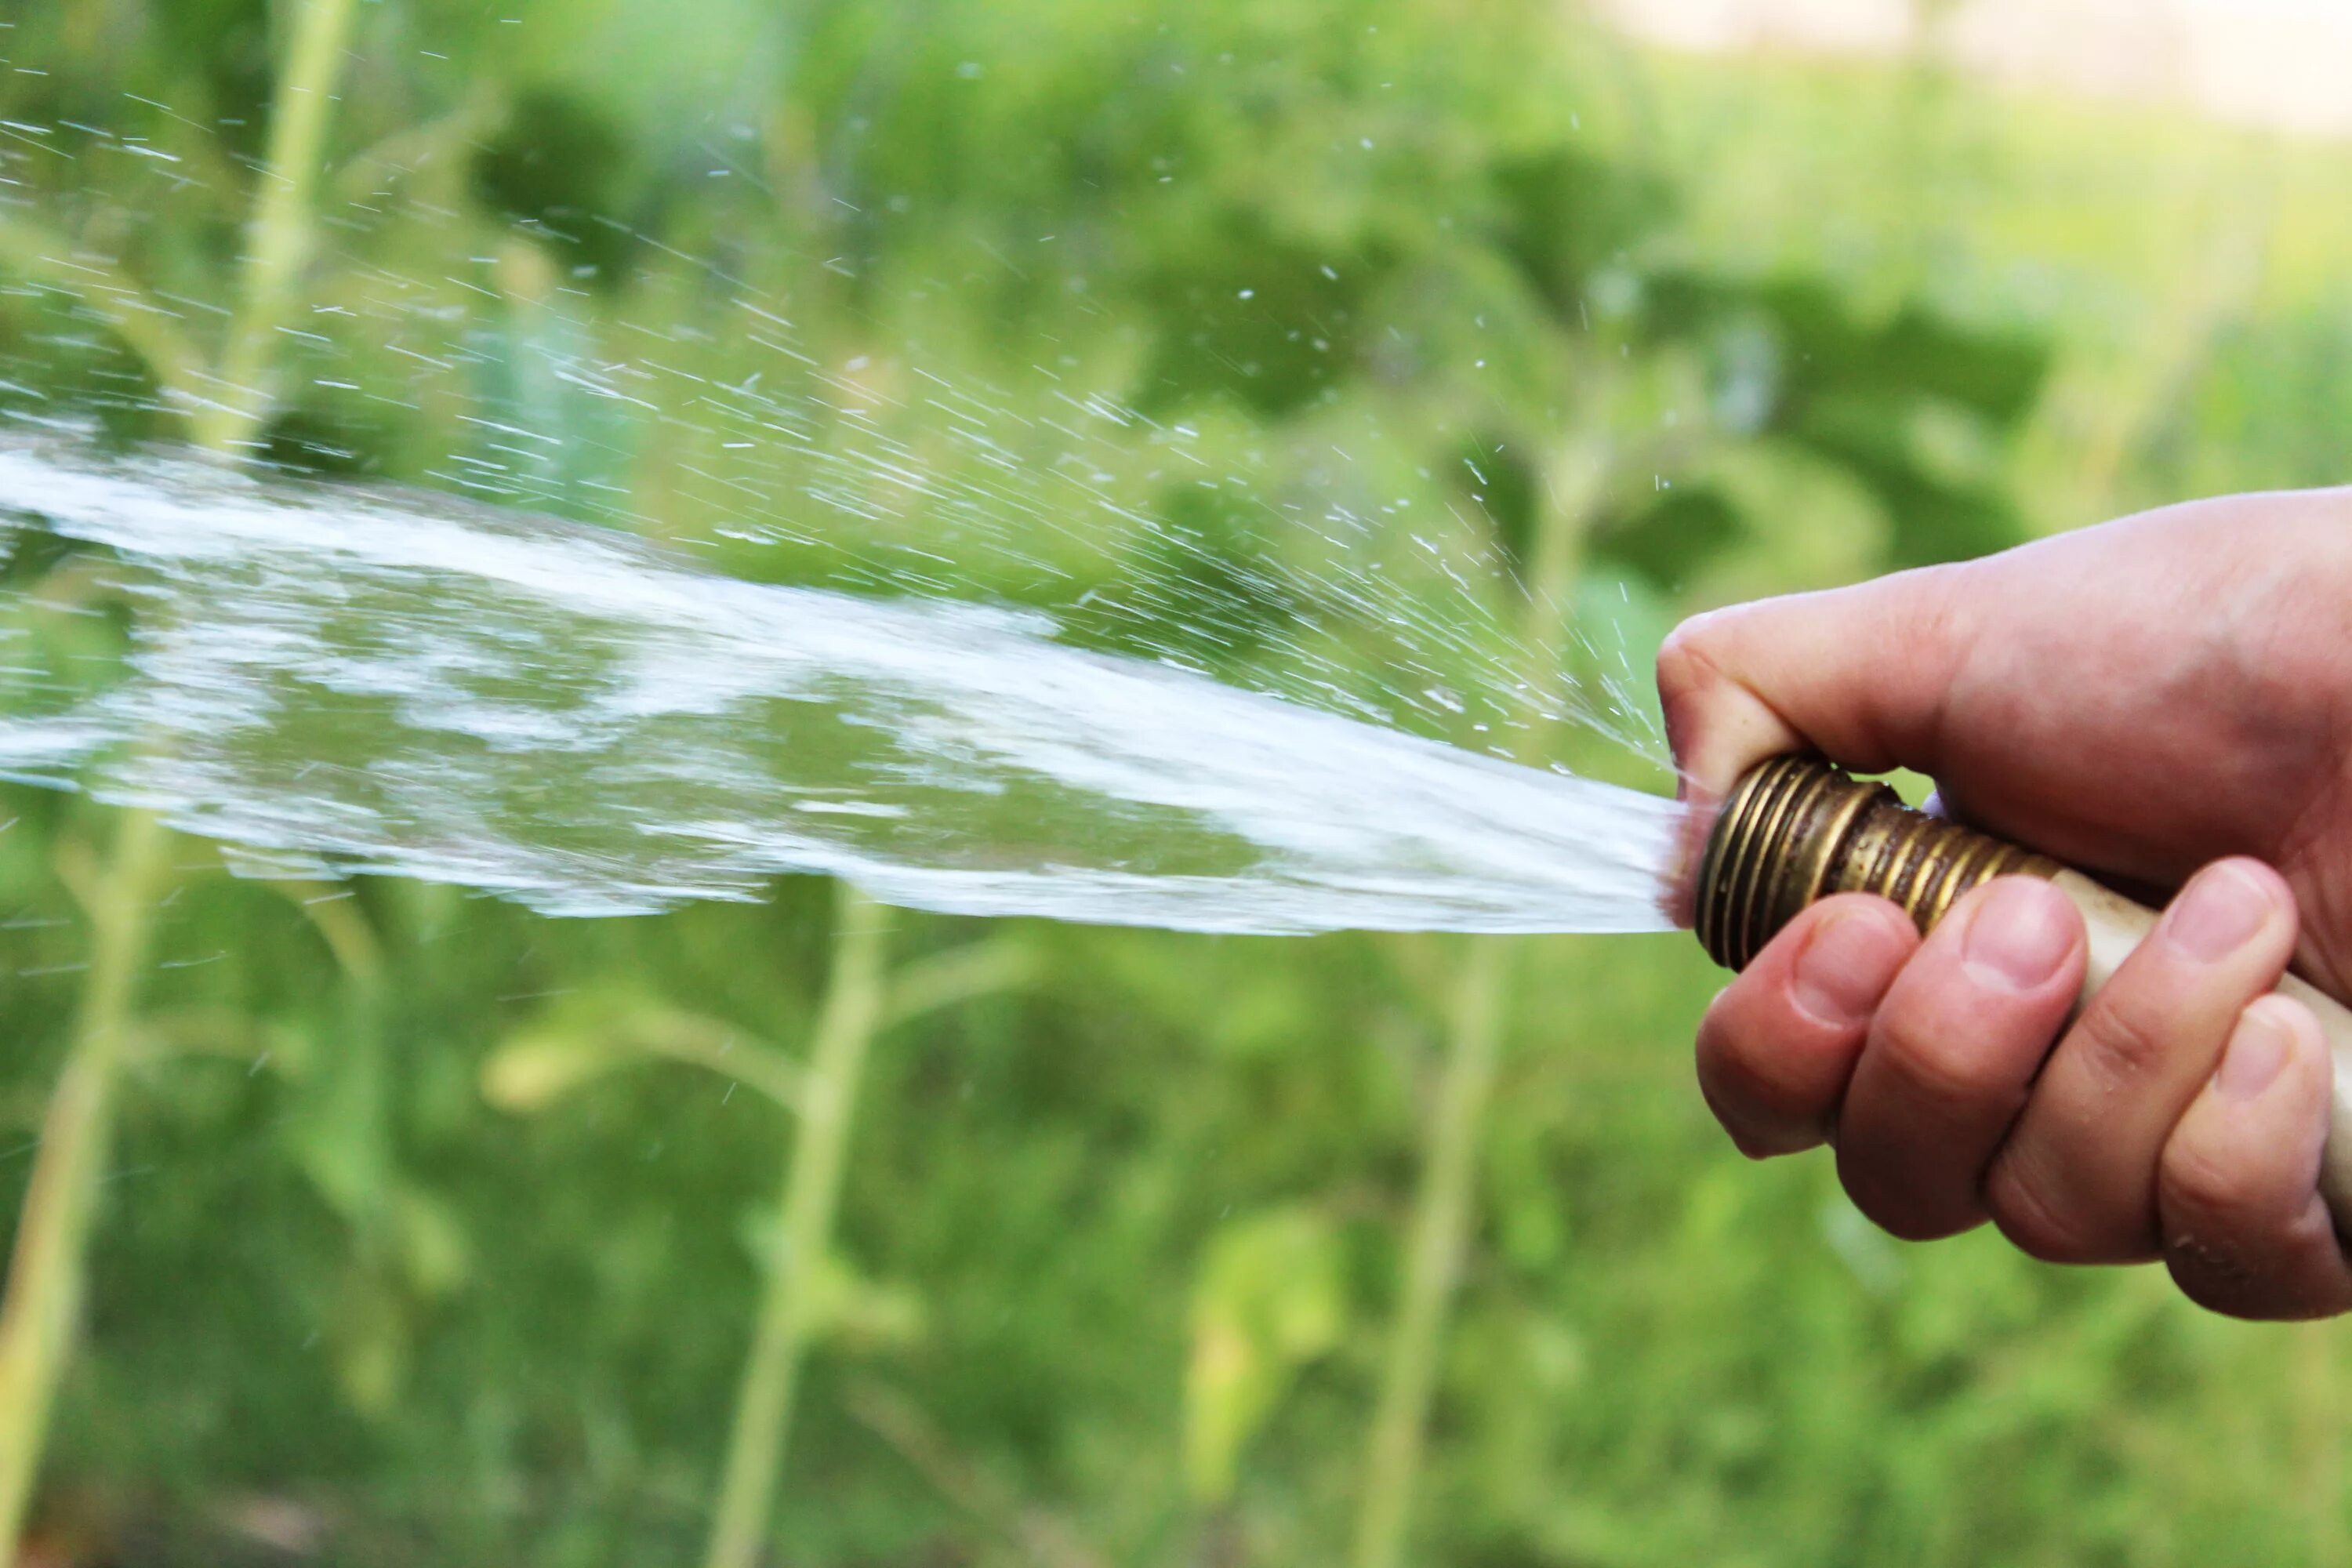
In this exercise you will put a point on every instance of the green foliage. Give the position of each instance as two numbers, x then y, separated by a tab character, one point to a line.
420	1242
1269	1296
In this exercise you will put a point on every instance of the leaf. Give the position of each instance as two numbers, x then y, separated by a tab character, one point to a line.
960	975
529	1074
571	1047
1269	1297
372	1342
846	1306
435	1253
339	1128
872	1315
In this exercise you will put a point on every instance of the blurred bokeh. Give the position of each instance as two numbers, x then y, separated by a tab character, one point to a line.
437	1232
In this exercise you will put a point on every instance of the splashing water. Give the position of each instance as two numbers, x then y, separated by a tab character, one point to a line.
363	681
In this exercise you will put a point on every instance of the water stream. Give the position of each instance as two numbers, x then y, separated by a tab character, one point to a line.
329	682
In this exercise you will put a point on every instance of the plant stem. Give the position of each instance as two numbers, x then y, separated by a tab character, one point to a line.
791	1301
49	1260
279	237
1441	1225
44	1268
1445	1204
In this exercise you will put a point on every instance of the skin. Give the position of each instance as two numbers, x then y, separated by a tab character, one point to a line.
2167	700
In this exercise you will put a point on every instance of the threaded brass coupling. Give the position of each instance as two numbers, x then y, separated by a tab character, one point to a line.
1797	830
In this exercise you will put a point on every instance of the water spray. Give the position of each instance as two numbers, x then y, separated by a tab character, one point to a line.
1796	830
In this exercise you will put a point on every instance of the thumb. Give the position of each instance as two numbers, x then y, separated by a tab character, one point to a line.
1861	673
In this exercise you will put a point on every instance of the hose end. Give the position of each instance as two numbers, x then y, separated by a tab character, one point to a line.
1797	830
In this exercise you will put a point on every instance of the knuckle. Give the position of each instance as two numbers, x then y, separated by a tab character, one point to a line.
2218	1278
1888	1194
1943	1063
1724	1057
1733	1122
1690	663
2119	1043
1683	664
1903	1218
1748	1078
2036	1223
2207	1190
1779	1082
2296	1271
1732	1073
2236	1245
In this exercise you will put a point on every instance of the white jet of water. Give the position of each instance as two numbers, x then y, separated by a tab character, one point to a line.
336	680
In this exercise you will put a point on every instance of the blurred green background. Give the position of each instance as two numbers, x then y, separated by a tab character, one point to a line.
439	1233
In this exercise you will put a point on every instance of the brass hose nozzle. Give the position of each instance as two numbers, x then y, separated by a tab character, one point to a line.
1796	829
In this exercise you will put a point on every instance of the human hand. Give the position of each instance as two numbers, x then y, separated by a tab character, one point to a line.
2168	693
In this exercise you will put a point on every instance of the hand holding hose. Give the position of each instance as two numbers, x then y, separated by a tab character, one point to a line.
2167	700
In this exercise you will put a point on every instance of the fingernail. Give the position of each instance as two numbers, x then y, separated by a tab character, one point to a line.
2219	912
2257	1049
2017	937
1842	971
